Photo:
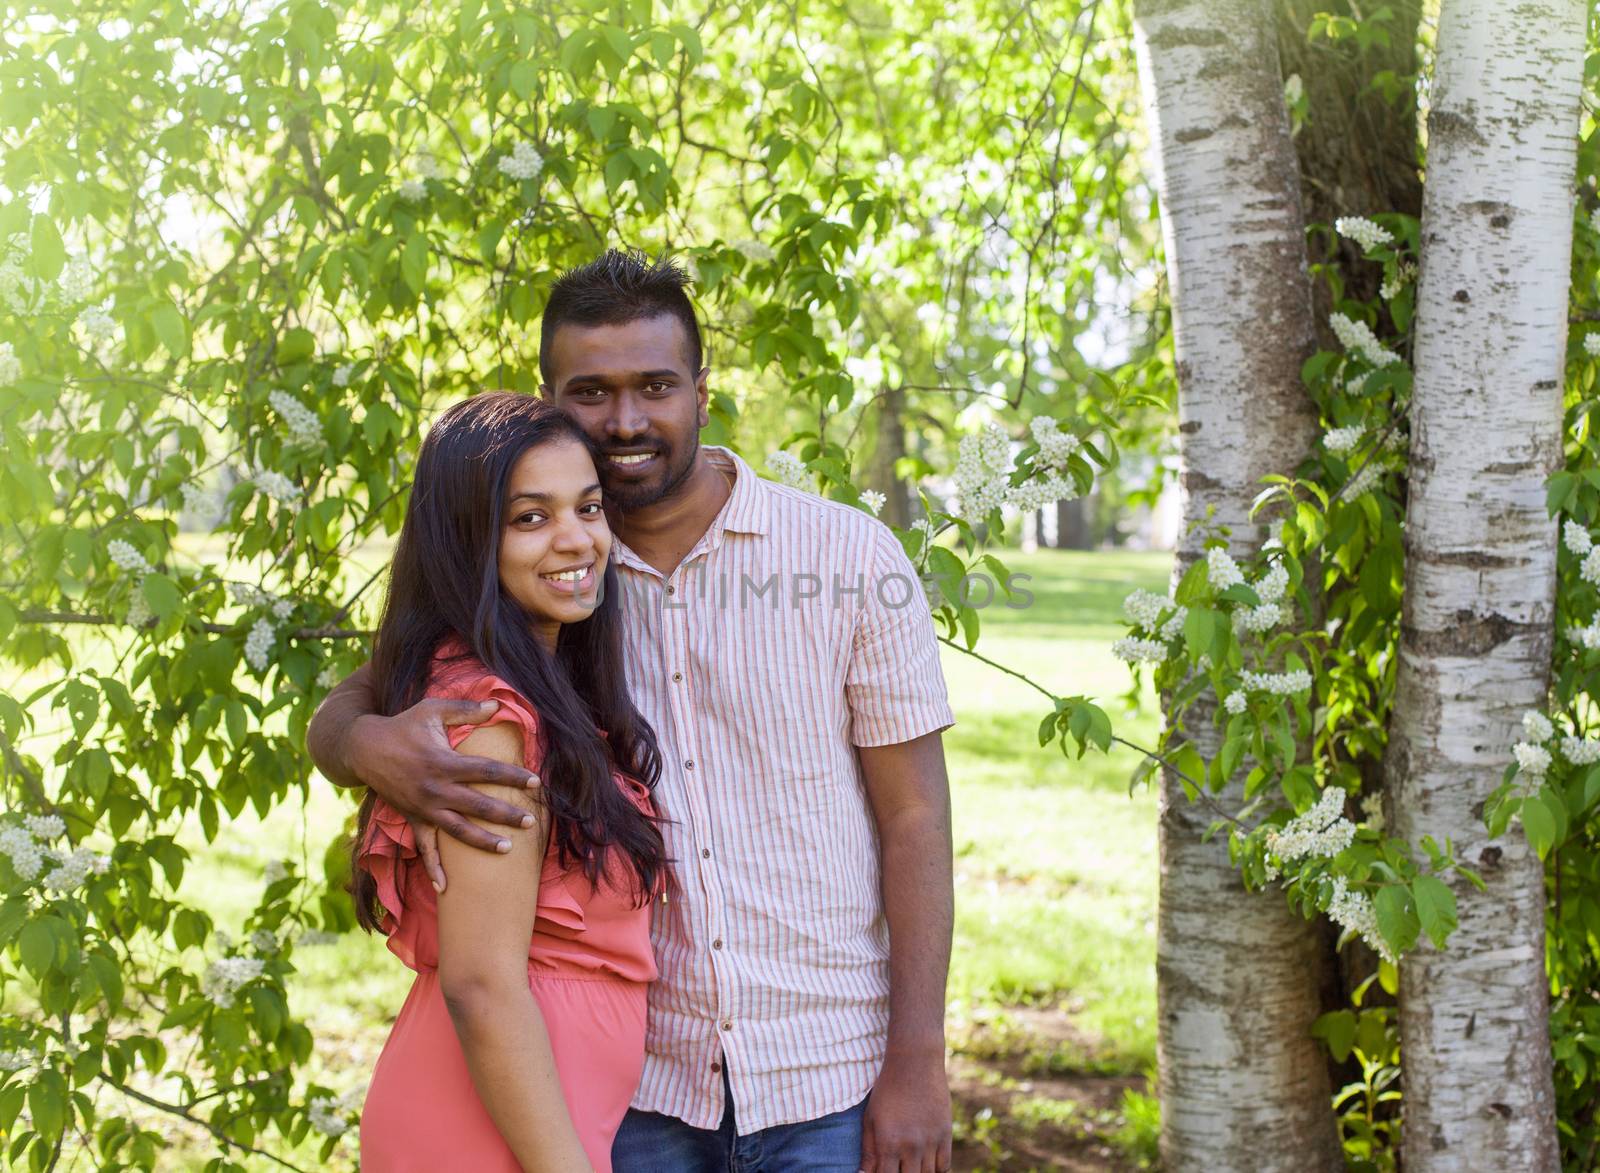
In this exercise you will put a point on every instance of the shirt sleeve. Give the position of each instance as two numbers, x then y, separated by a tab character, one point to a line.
894	686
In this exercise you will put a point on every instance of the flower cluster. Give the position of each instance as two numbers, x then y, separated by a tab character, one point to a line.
1222	570
72	870
275	870
874	501
226	975
1367	478
1135	650
77	280
1581	751
982	476
258	644
1036	494
1055	446
10	365
1320	833
127	557
789	469
17	290
1146	609
1339	441
249	596
264	941
97	321
1259	619
331	1116
1537	726
304	426
1359	338
1367	233
1277	683
522	163
1532	760
413	191
341	374
1588	637
275	485
17	1060
1236	702
754	250
1404	272
1352	911
1591	345
27	859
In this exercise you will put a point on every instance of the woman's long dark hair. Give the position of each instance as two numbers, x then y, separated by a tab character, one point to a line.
445	580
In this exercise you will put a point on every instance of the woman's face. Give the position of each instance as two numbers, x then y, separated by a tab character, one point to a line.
554	547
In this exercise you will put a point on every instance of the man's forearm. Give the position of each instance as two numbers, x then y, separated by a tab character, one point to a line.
920	906
326	736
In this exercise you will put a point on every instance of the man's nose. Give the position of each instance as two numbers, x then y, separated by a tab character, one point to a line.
627	419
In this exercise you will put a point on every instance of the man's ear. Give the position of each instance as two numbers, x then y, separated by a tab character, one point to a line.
703	396
544	389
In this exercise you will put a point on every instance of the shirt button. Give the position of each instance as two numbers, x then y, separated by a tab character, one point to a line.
716	1068
689	765
672	590
717	944
727	1024
676	677
705	853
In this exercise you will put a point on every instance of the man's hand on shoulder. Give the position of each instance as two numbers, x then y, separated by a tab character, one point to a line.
907	1125
408	761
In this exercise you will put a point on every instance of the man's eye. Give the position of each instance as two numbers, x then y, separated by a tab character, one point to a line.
586	393
659	388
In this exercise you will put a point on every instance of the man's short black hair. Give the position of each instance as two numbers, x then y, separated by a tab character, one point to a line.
615	288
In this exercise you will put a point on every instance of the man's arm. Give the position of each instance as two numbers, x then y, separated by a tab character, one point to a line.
908	1117
407	759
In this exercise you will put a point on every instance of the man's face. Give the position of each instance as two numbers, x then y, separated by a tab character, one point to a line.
631	389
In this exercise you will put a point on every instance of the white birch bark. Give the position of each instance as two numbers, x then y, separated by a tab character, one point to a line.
1243	1086
1481	565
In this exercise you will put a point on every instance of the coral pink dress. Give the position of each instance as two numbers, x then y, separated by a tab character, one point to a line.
589	964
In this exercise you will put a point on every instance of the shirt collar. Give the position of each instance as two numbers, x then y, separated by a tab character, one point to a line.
744	512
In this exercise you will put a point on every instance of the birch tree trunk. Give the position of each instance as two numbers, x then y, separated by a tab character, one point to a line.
1481	566
1243	1086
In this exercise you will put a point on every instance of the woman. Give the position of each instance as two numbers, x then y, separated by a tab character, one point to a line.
522	1039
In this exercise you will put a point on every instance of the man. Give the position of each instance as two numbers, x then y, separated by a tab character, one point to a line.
780	646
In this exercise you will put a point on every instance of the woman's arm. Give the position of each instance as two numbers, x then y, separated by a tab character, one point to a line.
485	922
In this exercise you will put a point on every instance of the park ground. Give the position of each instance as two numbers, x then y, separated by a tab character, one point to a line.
1052	989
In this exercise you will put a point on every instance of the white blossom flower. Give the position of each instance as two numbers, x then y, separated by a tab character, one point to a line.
1320	833
1367	233
1576	538
1293	89
1591	345
328	677
1351	909
1222	570
1537	726
26	858
982	474
77	280
72	870
1259	619
789	470
226	975
304	426
1372	811
1036	493
45	827
1144	608
1581	751
1533	760
1588	637
1589	571
97	322
1236	702
264	941
1273	583
1278	683
275	485
17	1060
413	191
1391	287
1358	337
1357	384
522	163
1341	440
1139	651
139	612
426	166
341	374
1368	477
1055	446
754	250
258	644
124	554
10	365
275	870
874	501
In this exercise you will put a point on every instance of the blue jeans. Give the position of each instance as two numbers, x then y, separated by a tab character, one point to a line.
648	1142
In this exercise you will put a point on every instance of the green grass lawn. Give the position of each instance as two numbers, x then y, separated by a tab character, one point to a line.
1055	862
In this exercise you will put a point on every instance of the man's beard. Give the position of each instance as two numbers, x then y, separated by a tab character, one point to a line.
630	495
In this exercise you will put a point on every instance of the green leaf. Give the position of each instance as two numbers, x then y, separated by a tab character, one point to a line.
296	345
1539	825
1397	916
524	77
1199	629
414	262
49	254
1338	1030
161	593
172	330
1436	907
38	946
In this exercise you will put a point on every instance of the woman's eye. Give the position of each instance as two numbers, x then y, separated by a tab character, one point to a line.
529	518
591	508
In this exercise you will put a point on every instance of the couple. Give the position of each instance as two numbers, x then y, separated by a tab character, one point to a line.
698	909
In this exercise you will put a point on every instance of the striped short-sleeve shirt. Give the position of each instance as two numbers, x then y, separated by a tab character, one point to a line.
793	632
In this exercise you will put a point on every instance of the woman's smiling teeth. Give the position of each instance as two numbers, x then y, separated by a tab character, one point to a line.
575	575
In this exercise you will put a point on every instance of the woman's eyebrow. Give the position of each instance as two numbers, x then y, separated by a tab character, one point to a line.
546	498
